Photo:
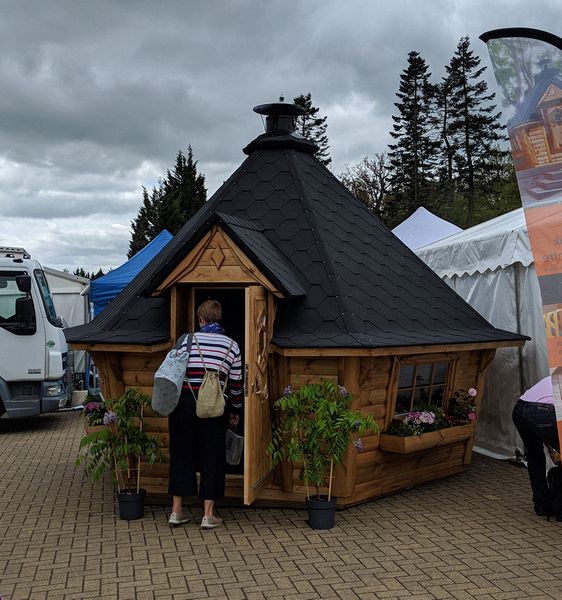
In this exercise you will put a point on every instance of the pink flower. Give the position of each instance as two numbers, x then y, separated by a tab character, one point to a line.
471	392
427	417
471	416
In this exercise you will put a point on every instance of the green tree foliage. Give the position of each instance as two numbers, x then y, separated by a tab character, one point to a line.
313	127
368	181
170	204
448	154
473	125
412	156
80	272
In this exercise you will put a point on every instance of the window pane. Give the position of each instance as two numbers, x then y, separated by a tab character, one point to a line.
403	402
421	398
437	396
406	376
440	372
423	375
46	296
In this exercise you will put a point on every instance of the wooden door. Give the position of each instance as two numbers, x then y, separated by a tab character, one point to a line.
257	410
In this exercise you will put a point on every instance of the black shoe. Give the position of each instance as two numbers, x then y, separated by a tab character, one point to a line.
542	512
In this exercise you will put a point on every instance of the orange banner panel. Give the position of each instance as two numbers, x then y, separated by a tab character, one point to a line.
544	224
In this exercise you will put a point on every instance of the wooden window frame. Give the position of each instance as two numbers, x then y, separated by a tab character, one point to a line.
418	359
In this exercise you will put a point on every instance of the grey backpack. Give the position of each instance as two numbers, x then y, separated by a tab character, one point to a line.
210	399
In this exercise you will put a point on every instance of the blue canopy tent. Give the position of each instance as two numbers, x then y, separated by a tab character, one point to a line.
104	289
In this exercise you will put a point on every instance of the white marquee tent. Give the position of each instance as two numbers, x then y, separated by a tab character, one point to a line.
71	303
422	228
491	266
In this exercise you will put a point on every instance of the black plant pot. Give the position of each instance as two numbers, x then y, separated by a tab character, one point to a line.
131	504
321	512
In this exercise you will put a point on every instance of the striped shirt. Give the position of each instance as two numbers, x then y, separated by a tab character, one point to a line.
215	350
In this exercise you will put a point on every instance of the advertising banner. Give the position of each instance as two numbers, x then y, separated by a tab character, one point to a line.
528	68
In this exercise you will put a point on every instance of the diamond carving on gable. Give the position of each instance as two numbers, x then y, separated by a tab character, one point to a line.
218	257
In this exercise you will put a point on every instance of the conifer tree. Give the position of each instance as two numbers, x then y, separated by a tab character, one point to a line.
474	124
412	159
171	203
313	127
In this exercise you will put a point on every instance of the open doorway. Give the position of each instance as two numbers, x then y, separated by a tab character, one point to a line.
233	305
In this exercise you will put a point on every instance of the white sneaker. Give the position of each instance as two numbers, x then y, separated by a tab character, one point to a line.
211	522
178	519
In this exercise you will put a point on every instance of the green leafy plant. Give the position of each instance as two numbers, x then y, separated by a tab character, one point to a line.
314	428
121	447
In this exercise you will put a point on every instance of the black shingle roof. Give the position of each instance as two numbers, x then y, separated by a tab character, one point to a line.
347	280
529	110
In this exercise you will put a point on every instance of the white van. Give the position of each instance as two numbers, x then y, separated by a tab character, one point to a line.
33	350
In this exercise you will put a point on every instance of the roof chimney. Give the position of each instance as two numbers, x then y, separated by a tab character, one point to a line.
280	124
280	117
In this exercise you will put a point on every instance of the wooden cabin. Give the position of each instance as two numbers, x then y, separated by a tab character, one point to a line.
313	286
535	131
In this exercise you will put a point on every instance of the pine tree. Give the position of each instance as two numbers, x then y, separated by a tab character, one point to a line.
171	204
313	127
412	159
474	124
142	228
184	190
91	276
446	143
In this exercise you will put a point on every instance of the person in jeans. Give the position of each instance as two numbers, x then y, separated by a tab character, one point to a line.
196	442
535	420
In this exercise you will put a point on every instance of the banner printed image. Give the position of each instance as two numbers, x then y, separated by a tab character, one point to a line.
527	65
529	73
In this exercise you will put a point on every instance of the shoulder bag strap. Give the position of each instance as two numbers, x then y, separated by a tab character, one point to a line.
180	341
222	363
200	354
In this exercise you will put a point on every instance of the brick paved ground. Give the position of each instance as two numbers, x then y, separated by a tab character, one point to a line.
472	536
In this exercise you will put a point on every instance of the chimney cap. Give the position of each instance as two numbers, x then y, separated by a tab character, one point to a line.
279	108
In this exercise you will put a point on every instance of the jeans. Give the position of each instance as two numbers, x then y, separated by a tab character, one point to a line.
536	424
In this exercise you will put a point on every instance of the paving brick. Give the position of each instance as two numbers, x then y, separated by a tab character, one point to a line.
471	537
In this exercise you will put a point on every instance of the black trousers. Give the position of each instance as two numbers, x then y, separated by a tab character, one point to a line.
536	424
196	445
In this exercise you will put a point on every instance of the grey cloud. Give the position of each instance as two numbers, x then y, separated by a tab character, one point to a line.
98	97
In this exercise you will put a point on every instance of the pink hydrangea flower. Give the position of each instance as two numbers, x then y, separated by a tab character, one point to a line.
427	417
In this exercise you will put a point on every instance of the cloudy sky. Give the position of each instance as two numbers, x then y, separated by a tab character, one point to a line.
97	97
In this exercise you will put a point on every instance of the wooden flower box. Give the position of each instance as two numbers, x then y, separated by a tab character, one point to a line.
93	428
400	444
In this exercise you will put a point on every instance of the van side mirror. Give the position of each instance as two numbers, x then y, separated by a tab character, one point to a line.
24	283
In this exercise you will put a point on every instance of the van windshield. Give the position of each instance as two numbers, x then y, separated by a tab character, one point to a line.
17	313
46	296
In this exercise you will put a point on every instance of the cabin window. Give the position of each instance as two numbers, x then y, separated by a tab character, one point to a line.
46	296
421	385
17	313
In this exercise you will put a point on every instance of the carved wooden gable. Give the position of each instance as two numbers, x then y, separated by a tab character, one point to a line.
217	259
552	93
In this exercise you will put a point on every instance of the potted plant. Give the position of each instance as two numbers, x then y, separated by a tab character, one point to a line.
431	426
119	448
314	428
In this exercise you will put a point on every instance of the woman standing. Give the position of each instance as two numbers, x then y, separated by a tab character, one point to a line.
196	442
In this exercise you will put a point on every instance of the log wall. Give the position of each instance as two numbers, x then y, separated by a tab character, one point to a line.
370	380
